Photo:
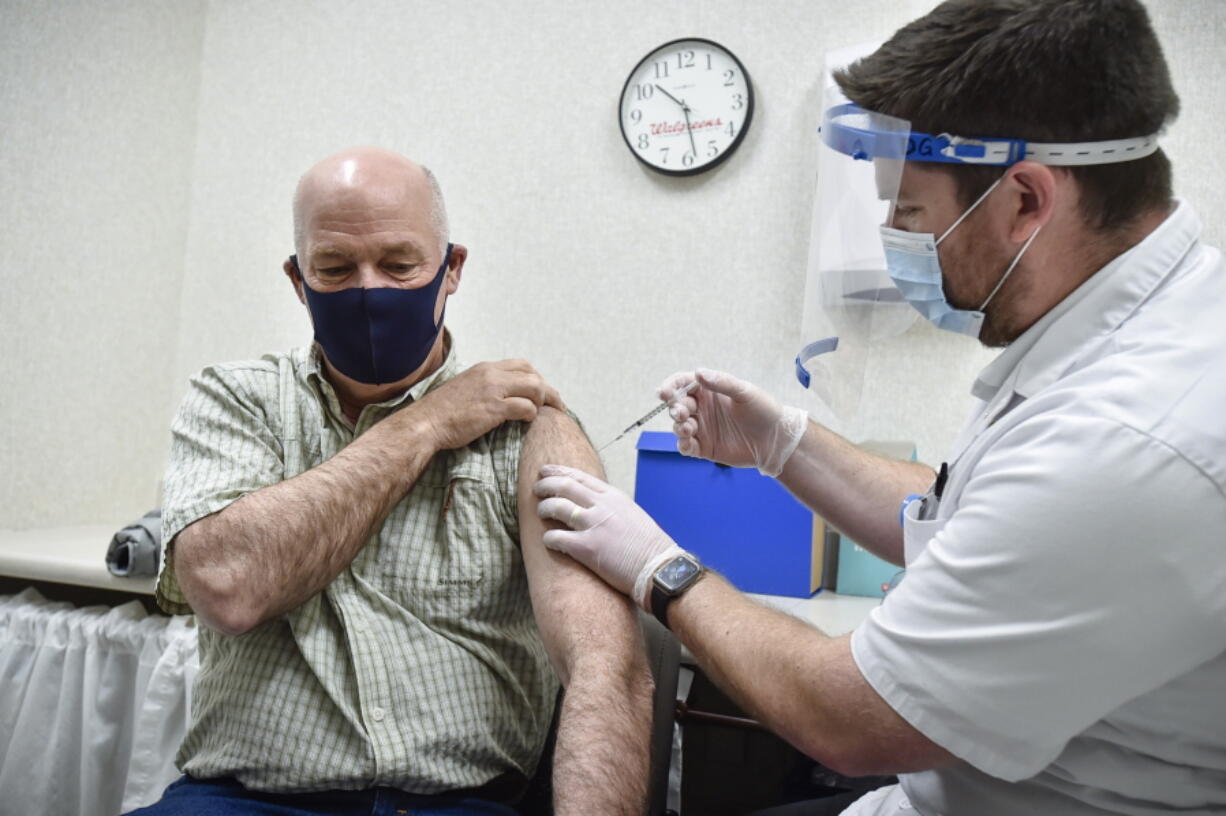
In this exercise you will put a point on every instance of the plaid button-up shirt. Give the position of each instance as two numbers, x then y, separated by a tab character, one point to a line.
420	666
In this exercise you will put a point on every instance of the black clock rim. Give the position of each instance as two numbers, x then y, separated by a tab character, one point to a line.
736	142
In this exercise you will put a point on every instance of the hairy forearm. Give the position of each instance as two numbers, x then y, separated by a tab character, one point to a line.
604	740
803	685
737	642
274	548
855	491
790	676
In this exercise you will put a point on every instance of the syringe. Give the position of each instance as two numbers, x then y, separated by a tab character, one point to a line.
680	392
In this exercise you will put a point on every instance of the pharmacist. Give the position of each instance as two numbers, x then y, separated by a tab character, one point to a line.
1057	645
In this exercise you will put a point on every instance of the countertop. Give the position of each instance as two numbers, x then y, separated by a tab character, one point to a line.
66	555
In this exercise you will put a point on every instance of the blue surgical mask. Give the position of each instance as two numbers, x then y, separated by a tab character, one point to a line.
915	267
378	335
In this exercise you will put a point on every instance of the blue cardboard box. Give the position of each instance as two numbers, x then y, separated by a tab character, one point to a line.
740	523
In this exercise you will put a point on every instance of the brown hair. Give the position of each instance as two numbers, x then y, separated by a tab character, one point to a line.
1040	70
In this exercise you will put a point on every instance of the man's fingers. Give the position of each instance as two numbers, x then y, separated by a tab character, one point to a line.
689	447
517	378
683	409
565	487
672	382
564	541
586	479
560	509
516	365
722	383
686	429
520	408
530	385
553	398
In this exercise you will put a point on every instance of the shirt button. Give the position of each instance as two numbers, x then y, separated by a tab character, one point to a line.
376	714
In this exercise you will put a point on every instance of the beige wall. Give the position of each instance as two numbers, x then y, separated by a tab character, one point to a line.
97	124
604	275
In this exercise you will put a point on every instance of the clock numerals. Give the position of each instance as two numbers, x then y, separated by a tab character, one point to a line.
686	106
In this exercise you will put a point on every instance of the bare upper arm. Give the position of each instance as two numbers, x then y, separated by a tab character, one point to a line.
874	738
580	616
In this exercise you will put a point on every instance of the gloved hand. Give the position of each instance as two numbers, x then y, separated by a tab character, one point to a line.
610	534
733	422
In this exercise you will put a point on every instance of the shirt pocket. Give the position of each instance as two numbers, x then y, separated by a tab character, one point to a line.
445	552
916	531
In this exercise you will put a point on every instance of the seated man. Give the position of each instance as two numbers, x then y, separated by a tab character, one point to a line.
353	524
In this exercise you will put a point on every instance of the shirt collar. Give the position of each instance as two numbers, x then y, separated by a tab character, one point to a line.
1096	308
313	374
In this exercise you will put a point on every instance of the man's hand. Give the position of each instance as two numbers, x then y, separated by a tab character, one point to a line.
482	398
732	422
610	534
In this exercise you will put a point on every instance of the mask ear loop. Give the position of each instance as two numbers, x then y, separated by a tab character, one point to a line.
293	259
1012	266
971	209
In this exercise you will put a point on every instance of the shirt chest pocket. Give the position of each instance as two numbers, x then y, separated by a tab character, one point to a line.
917	531
445	549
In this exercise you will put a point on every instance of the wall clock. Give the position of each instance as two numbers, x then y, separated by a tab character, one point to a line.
686	107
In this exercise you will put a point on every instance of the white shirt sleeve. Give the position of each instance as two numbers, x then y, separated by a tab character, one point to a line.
1083	567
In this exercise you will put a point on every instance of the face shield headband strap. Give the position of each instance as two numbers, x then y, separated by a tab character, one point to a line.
840	133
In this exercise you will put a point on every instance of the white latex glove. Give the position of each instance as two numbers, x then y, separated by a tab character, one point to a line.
610	534
732	422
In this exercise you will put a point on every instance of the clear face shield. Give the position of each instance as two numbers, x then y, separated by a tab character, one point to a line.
850	302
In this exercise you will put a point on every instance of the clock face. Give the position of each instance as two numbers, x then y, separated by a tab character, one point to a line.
686	106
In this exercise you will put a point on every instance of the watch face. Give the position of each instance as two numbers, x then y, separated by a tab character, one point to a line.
686	106
677	574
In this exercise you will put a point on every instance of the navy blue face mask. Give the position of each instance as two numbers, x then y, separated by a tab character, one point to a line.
376	336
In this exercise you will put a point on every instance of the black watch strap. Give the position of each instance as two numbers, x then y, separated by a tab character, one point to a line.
660	601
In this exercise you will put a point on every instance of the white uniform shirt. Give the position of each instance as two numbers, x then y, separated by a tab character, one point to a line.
1063	631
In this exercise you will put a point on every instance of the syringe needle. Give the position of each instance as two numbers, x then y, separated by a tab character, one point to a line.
643	420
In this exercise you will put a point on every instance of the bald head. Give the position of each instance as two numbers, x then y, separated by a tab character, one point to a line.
367	181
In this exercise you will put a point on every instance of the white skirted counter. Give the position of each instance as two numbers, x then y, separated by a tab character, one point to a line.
96	690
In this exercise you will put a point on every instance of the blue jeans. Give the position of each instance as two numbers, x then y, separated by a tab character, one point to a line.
227	797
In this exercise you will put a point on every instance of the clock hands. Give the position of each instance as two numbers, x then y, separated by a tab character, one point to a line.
686	110
670	96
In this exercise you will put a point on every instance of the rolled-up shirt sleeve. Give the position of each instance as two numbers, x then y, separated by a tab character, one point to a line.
1082	568
222	448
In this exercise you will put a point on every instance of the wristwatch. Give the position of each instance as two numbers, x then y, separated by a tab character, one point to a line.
670	581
